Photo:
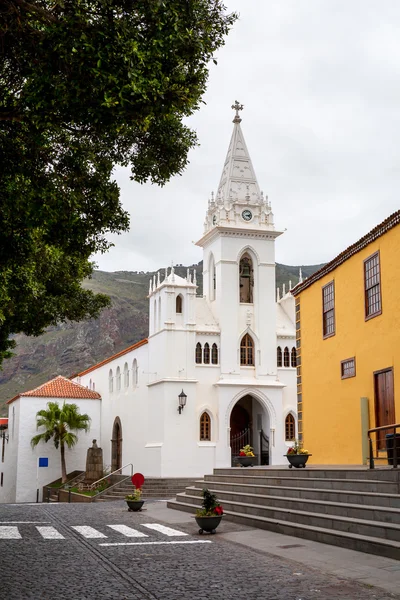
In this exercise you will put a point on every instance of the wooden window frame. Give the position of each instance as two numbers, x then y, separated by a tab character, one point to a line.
325	310
293	355
290	427
179	304
342	370
247	351
279	357
205	427
286	357
214	354
198	354
378	285
206	354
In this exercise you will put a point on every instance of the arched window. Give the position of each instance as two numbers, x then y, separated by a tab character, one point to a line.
247	350
134	373
293	357
214	354
110	381
198	353
90	384
159	314
179	302
93	386
126	375
290	428
206	355
205	427
213	277
246	279
286	357
118	377
279	356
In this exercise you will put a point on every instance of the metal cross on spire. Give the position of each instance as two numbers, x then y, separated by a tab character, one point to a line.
237	106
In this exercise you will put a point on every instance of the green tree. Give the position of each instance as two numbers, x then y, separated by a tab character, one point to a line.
86	85
59	424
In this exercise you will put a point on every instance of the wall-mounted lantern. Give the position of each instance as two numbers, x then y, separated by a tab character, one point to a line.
182	401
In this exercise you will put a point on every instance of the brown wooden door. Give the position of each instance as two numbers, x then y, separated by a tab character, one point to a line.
384	403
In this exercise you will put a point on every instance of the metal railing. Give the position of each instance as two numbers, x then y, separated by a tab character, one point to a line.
392	459
96	483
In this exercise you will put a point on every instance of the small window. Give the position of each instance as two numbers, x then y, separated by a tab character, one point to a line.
214	354
206	355
286	357
372	278
110	381
290	428
279	356
348	368
205	427
328	309
199	353
247	351
293	357
126	375
118	376
135	372
179	304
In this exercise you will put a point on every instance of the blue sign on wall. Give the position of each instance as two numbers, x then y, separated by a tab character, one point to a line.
43	462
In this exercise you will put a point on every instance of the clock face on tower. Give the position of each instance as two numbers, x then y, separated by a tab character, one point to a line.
247	215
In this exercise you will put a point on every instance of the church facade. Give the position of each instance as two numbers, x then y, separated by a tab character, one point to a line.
217	371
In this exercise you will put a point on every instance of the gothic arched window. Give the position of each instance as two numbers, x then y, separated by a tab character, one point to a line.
179	303
110	381
205	427
293	357
118	377
134	373
198	355
214	354
286	357
247	350
290	428
206	355
126	375
279	356
246	279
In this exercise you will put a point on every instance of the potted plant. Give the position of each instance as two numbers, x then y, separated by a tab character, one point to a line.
246	457
209	516
134	501
297	456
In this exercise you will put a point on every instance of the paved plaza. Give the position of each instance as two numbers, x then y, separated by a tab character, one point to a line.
100	550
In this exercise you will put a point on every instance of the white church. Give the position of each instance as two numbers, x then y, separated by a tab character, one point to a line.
217	370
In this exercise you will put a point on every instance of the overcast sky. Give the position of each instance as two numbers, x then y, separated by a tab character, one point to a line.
320	82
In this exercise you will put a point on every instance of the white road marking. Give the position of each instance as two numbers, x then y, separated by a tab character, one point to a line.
155	543
50	533
165	530
128	531
10	533
88	532
24	522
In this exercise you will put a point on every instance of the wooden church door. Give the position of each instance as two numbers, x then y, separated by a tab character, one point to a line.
384	403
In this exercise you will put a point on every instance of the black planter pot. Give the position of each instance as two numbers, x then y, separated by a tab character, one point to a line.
297	460
246	461
208	524
134	505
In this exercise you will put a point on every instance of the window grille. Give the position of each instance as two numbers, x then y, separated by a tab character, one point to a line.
348	368
290	428
206	355
198	354
328	309
279	356
247	351
214	354
372	278
293	357
286	357
205	427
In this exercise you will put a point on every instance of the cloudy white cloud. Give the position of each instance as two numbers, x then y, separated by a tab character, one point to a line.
320	82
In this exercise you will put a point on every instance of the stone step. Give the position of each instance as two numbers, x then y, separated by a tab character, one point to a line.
330	495
379	474
361	485
369	512
346	539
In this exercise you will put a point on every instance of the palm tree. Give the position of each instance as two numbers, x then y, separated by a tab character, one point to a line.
59	423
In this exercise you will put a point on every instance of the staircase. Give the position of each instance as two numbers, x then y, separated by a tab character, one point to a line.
353	508
152	488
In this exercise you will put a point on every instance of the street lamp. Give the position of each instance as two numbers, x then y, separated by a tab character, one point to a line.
182	401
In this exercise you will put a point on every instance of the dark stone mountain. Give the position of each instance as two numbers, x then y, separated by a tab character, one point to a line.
72	347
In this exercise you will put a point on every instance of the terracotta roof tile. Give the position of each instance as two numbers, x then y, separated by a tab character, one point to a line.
375	233
107	360
60	387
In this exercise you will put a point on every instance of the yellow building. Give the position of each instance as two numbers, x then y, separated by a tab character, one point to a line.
348	343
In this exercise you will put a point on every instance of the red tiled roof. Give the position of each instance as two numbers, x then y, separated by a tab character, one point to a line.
375	233
60	387
107	360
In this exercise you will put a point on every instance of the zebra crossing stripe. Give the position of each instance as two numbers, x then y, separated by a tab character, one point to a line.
165	530
9	533
127	531
50	533
88	532
156	543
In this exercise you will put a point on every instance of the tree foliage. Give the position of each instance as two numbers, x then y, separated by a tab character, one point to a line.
59	425
86	85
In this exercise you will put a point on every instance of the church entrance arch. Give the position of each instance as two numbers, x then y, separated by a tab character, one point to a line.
250	424
116	445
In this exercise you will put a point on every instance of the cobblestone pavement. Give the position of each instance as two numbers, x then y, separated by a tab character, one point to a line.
152	564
